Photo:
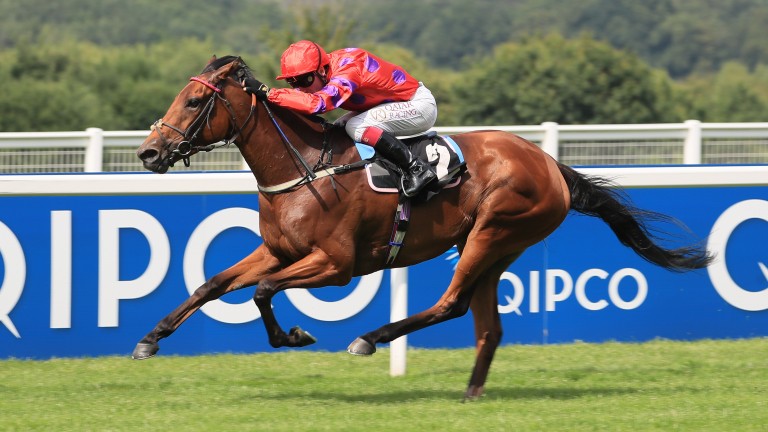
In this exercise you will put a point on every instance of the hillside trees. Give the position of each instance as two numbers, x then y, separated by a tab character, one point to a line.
681	36
75	85
75	64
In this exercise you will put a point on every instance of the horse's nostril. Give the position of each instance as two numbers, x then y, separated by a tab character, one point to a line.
148	155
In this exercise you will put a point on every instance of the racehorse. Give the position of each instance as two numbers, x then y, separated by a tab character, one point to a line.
323	226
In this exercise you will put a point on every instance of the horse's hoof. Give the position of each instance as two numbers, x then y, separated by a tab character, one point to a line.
361	347
301	338
145	350
473	393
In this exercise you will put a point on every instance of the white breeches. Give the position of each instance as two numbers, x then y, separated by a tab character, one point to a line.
401	119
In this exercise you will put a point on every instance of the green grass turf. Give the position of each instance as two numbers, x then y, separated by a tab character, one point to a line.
660	385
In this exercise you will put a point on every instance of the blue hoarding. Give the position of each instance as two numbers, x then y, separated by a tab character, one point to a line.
91	274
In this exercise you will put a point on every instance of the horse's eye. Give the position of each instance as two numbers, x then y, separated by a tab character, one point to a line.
193	103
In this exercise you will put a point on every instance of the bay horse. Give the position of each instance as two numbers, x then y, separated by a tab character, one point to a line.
325	225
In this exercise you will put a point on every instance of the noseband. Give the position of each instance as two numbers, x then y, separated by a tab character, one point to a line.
186	146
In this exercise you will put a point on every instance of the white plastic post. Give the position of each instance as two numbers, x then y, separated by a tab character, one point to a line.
94	151
692	149
398	311
551	142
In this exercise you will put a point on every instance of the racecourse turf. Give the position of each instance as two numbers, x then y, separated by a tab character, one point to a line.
658	385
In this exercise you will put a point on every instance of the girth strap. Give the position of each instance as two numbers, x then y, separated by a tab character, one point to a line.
400	226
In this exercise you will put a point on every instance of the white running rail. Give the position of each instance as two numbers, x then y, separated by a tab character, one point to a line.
691	142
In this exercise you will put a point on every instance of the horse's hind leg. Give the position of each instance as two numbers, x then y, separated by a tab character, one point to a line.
474	261
243	274
485	311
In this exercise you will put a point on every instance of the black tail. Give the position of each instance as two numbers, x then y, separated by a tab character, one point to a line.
595	196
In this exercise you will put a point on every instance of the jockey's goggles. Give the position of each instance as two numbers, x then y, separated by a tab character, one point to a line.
305	80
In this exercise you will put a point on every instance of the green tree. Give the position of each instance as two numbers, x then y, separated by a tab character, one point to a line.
75	85
566	81
732	95
33	105
138	83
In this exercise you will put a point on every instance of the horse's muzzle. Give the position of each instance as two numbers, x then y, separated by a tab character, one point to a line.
152	160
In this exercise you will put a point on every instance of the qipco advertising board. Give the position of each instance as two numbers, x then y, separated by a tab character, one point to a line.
91	262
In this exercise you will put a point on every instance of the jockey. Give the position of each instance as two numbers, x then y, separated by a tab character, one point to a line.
383	99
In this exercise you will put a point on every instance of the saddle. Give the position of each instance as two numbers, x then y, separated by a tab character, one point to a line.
441	152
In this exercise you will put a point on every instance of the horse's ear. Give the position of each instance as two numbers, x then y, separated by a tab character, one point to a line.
213	59
226	70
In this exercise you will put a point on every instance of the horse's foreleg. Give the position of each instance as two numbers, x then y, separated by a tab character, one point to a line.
485	311
314	270
246	273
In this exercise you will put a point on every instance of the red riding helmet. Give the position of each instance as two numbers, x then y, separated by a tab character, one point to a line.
302	57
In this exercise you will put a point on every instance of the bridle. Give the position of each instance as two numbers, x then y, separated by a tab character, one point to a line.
186	148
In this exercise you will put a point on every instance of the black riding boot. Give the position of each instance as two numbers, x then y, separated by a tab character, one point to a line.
416	172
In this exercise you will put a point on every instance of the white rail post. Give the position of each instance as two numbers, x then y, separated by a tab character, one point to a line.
692	148
398	280
551	142
94	151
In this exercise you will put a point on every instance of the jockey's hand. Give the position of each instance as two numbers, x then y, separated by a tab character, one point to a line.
255	87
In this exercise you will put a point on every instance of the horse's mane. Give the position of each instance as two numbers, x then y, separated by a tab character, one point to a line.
219	62
227	59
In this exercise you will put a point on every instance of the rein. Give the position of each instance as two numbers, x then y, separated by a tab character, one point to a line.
321	169
309	173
